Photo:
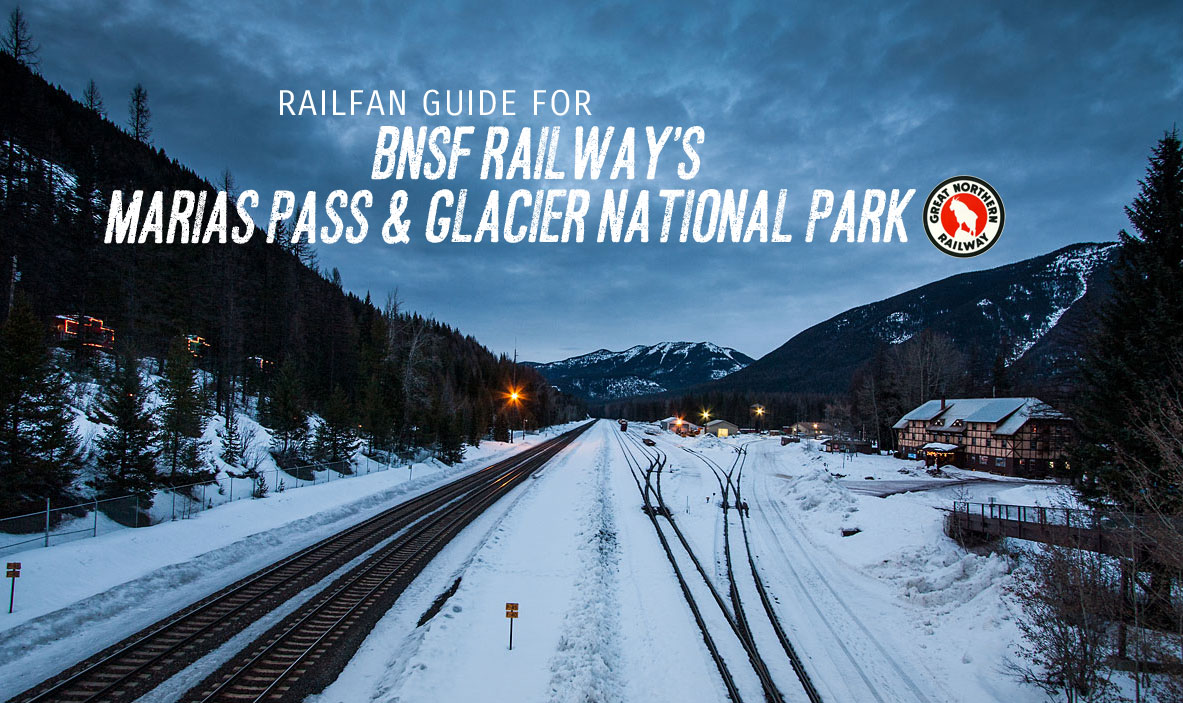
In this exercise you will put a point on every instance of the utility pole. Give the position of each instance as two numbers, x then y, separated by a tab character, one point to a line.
514	386
12	287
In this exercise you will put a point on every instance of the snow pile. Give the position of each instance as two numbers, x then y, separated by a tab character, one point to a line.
586	663
817	490
710	441
941	577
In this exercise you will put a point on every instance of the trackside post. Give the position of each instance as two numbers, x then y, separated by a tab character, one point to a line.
511	612
14	572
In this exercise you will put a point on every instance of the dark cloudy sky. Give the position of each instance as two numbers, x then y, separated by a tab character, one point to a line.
1057	105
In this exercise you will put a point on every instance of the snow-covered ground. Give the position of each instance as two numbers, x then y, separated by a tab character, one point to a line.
77	598
894	612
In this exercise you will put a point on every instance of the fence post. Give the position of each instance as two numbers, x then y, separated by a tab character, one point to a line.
96	518
203	497
173	510
47	521
231	500
137	510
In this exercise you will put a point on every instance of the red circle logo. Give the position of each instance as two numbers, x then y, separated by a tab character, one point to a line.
964	215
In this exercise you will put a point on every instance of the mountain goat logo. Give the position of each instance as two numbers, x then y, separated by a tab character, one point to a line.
967	219
963	204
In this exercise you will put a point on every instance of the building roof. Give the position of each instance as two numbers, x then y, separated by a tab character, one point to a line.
714	423
940	447
1009	414
671	418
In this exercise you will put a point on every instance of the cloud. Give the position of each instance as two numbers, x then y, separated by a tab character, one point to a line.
1057	105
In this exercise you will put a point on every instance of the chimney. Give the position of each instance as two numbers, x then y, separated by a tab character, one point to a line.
942	403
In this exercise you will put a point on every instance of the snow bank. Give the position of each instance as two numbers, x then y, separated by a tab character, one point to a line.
941	578
818	491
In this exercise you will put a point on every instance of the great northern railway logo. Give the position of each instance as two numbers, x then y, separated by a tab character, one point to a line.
963	216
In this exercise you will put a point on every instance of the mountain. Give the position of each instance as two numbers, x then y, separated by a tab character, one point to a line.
266	312
1031	312
642	370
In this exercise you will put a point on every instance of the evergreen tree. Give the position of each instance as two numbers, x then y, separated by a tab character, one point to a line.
500	428
233	448
476	427
336	436
38	444
452	439
1141	327
376	417
182	418
126	450
139	116
286	414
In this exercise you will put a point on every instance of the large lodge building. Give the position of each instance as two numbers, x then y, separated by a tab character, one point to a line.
1014	436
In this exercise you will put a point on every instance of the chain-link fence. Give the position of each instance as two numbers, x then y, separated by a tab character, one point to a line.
60	524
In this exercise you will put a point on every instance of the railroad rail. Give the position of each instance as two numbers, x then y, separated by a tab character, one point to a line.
730	481
734	617
647	493
128	669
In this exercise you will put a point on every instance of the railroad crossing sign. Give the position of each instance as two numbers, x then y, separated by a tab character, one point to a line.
14	572
511	612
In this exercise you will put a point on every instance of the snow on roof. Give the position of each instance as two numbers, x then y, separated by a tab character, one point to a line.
1008	413
712	423
940	447
671	418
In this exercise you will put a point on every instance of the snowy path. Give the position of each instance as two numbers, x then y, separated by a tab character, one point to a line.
847	659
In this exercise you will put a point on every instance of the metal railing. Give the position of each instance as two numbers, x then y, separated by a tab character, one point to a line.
61	524
1041	515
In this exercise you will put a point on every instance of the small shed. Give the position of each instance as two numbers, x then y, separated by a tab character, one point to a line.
810	429
848	446
722	428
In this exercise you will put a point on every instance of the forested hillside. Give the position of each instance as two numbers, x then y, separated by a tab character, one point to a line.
273	326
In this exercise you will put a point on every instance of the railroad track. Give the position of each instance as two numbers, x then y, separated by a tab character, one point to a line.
413	531
732	478
655	461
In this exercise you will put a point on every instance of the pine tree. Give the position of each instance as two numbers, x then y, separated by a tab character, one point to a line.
139	116
126	450
500	427
336	436
1140	331
38	444
376	416
286	414
182	418
452	440
18	43
233	448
